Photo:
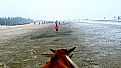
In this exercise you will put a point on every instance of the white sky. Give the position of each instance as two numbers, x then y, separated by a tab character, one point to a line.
60	9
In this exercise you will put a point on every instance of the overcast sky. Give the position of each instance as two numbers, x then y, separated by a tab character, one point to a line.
60	9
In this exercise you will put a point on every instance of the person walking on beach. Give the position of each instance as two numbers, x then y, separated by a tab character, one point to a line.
59	23
56	22
56	27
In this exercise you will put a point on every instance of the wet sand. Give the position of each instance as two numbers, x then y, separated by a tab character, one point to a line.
30	49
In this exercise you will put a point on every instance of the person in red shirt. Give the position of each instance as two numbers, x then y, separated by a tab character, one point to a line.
56	27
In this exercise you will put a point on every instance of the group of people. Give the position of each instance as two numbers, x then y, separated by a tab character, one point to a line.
56	25
44	22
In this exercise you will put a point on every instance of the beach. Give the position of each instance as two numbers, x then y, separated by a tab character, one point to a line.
27	46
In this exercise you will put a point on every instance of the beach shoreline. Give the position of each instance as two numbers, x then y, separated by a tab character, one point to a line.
9	32
95	45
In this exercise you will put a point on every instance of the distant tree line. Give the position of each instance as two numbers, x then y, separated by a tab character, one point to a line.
14	20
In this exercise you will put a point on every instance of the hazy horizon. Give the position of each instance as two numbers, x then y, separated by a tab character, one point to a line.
60	9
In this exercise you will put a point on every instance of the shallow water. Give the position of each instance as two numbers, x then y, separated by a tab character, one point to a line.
102	41
101	33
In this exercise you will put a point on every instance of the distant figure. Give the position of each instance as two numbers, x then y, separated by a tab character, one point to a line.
56	27
44	22
39	23
34	23
59	23
118	17
56	22
104	17
63	21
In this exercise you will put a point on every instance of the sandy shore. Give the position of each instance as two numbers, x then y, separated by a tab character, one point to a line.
8	32
9	35
27	46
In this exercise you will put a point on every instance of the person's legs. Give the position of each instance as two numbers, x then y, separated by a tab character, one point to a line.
57	30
